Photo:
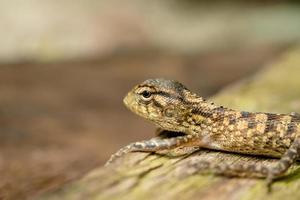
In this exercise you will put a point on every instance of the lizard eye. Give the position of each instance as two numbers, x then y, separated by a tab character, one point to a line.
146	95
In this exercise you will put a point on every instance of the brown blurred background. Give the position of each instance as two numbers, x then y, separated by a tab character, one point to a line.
66	65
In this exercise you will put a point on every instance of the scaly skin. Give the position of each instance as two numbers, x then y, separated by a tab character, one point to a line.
172	107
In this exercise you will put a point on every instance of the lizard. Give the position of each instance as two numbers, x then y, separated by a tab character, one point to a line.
187	122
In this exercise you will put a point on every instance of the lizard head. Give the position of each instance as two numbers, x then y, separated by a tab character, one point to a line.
162	102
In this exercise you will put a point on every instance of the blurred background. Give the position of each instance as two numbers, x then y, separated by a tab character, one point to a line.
66	65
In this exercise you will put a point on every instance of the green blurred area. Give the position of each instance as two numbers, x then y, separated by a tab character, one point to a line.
48	31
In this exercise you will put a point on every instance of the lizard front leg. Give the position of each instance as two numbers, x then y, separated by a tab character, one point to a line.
252	170
186	149
153	145
179	151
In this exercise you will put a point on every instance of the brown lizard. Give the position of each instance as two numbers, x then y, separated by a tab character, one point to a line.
191	121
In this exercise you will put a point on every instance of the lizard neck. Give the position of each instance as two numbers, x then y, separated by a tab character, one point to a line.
205	115
205	109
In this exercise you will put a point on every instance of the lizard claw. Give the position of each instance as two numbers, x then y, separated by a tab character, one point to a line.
270	180
271	177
